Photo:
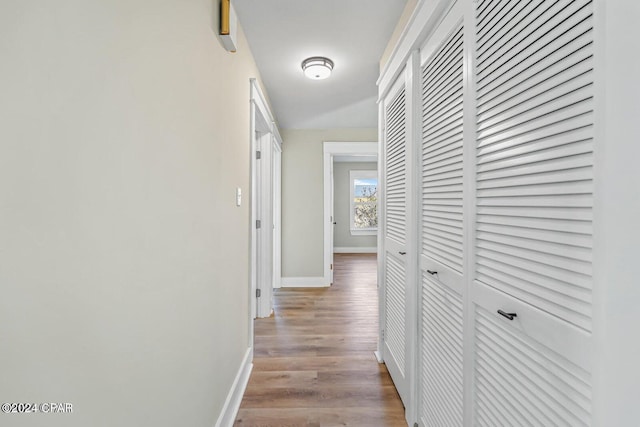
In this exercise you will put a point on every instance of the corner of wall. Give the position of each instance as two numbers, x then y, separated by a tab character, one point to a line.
397	32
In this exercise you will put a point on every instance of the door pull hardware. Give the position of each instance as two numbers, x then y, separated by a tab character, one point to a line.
509	316
402	253
432	272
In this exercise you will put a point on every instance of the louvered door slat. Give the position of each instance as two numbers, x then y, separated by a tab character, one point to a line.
441	361
499	415
537	381
503	22
534	36
537	59
556	279
542	72
568	262
448	104
395	310
442	173
395	148
487	10
521	99
442	144
512	26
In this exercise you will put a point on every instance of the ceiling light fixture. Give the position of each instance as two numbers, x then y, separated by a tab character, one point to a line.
317	67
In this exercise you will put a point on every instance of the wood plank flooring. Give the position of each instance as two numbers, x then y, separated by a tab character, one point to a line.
314	364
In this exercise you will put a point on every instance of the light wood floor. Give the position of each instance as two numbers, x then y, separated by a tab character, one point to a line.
314	363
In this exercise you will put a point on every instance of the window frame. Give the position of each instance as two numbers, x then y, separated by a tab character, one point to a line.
353	175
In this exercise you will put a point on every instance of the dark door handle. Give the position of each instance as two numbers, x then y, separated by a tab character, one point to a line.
402	253
432	272
509	316
334	223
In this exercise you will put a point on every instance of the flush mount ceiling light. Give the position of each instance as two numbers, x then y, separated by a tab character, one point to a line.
317	67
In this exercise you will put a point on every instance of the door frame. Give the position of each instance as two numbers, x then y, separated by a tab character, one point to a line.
331	149
264	137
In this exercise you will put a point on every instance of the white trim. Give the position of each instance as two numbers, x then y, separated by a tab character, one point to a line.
414	195
234	398
355	250
276	134
331	149
378	356
304	282
257	97
363	231
423	21
469	132
382	165
277	212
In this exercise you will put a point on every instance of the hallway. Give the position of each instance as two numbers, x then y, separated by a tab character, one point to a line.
314	363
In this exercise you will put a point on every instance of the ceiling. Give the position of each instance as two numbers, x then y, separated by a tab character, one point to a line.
352	33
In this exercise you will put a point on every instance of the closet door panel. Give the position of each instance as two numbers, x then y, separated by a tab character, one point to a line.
533	225
395	188
441	240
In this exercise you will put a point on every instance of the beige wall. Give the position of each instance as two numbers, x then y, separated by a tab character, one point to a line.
123	258
341	206
397	32
302	196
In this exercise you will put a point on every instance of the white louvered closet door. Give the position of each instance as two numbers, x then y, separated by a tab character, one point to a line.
440	337
395	189
533	245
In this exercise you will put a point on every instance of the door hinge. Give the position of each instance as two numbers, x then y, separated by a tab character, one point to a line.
258	155
258	293
382	333
258	223
331	266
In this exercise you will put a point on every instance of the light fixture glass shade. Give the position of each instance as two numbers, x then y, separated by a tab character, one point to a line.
317	67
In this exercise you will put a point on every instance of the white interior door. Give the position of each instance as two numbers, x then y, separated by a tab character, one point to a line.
256	249
441	222
396	185
265	206
264	227
333	219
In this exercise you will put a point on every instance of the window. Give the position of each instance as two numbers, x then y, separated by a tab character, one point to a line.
364	202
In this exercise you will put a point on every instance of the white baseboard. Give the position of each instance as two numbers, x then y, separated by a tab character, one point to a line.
378	356
234	398
355	250
304	282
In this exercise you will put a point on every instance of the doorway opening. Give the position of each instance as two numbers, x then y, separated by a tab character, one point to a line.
266	152
339	159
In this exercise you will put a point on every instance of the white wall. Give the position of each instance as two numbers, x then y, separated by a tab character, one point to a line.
302	196
342	237
617	244
123	258
397	32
